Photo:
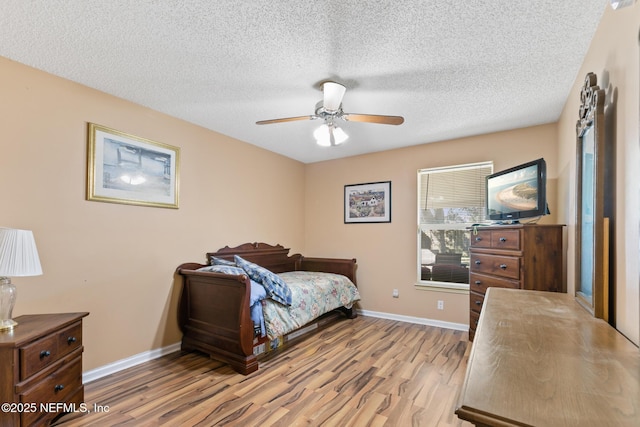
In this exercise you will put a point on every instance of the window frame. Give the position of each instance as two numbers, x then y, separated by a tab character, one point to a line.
438	285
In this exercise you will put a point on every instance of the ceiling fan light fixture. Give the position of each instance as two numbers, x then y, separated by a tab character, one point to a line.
333	94
323	135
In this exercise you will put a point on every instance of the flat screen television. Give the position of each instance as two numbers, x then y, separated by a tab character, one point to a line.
518	192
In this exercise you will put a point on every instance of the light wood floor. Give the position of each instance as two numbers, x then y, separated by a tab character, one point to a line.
361	372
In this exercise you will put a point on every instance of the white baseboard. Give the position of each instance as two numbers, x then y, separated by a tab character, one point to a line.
146	356
129	362
416	320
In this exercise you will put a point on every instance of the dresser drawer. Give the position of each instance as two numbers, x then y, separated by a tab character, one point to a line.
479	283
498	265
475	301
481	239
505	239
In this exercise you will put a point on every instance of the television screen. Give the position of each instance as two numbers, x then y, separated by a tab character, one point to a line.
518	192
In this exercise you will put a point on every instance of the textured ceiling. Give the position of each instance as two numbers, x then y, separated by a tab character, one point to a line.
451	68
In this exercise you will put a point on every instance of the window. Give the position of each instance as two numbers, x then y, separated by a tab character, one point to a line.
450	199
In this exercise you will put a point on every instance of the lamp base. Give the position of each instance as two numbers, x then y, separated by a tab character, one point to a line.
7	325
8	296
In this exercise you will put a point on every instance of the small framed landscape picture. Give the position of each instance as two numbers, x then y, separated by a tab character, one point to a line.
126	169
365	203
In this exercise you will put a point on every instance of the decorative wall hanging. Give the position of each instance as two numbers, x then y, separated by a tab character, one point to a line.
369	202
592	228
123	168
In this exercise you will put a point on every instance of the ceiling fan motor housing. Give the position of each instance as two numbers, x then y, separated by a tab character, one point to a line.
327	115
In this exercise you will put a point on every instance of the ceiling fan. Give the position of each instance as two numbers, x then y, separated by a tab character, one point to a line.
329	110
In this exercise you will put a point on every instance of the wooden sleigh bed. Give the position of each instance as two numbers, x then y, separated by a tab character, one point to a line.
215	315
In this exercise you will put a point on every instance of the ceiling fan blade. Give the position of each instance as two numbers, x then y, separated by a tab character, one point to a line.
287	119
372	118
333	94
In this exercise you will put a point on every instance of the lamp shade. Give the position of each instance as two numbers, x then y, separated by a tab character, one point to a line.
18	253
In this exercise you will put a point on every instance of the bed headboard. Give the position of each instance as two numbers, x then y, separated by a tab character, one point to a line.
275	258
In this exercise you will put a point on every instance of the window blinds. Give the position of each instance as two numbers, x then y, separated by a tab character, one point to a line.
461	187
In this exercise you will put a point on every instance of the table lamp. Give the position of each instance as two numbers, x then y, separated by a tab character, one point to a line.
18	257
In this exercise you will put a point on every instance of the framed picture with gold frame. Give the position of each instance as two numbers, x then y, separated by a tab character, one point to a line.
127	169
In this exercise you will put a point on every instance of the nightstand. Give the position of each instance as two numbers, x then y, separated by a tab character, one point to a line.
41	368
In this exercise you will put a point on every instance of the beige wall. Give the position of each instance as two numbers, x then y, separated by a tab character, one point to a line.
117	261
387	252
613	56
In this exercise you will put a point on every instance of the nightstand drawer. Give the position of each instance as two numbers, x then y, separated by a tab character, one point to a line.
479	283
54	388
43	352
36	356
69	339
498	265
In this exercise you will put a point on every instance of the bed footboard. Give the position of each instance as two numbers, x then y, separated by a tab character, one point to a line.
214	316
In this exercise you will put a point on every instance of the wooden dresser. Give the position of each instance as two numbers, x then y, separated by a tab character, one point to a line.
41	368
519	256
540	359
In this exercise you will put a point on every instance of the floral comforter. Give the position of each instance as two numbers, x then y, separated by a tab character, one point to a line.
312	295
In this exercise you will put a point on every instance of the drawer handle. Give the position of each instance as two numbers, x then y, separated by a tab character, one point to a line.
478	282
503	266
478	238
478	262
503	239
45	353
71	340
58	387
478	302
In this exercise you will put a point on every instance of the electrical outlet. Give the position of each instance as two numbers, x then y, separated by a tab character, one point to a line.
440	305
395	293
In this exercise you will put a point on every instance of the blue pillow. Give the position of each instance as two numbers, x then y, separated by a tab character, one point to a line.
214	260
276	288
258	293
226	269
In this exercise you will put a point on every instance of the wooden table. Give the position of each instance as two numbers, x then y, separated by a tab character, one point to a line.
540	359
